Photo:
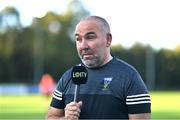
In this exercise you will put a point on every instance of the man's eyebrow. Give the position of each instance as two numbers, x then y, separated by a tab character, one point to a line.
76	34
90	33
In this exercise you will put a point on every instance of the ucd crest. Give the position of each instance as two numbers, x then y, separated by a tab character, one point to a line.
107	81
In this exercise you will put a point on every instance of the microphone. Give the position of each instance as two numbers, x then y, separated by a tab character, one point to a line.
79	76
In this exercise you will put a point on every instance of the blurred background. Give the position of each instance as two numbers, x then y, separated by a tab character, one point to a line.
37	39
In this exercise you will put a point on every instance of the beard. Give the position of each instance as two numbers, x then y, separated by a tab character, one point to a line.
92	61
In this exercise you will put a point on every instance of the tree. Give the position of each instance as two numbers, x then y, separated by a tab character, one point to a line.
9	17
10	26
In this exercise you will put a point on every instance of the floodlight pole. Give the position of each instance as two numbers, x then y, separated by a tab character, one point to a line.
150	68
38	53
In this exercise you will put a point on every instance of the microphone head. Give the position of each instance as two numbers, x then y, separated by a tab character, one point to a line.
79	75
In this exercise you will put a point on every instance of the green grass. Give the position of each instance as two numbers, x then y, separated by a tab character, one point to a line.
23	107
165	105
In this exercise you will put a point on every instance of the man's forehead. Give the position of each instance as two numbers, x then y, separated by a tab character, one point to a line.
85	27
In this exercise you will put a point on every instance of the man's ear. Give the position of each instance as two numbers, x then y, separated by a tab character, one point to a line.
109	39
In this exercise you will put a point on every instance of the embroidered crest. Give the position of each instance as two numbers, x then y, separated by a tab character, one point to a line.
107	81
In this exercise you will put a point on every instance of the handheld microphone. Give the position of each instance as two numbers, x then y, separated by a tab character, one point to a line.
79	76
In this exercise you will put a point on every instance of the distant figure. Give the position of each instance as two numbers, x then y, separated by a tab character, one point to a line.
46	85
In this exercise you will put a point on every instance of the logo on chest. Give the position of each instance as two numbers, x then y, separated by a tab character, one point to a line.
107	81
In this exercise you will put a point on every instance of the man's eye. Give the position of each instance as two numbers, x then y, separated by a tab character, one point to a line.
91	36
78	39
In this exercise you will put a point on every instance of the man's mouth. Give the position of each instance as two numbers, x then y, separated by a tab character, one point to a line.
87	56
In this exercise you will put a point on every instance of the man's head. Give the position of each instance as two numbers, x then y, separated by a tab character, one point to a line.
93	40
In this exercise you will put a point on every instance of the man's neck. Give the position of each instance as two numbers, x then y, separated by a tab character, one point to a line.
108	58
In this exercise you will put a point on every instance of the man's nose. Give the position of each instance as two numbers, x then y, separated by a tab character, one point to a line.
84	45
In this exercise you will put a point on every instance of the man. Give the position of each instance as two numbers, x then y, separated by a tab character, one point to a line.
114	89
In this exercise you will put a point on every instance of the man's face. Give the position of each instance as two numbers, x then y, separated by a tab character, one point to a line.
91	43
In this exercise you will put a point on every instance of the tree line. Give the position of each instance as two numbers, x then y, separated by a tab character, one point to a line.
47	46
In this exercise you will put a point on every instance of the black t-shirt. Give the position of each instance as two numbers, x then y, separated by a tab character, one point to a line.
112	91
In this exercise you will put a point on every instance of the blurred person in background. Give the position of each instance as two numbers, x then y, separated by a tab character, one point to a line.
114	89
47	85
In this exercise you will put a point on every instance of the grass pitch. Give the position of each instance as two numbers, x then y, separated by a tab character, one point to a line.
23	107
164	105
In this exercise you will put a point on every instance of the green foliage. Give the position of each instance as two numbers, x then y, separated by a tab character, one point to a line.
44	47
167	69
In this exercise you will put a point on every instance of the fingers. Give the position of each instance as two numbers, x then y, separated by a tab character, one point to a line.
72	110
80	103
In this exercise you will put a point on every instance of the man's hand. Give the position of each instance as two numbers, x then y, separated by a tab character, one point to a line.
72	110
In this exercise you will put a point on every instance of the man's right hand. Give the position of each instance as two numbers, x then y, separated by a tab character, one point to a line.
72	110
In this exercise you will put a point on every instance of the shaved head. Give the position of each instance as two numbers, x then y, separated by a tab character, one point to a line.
103	23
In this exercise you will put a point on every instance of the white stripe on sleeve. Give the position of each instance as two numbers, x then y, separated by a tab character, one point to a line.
57	95
138	99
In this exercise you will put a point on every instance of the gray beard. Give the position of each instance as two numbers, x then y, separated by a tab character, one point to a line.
92	63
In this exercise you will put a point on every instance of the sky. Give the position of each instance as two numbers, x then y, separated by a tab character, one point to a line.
154	22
